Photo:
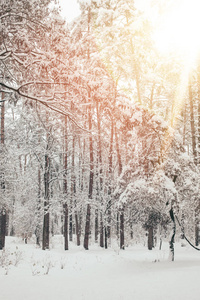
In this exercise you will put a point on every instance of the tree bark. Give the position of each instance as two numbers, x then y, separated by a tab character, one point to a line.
121	211
171	243
38	225
46	220
78	233
87	228
73	190
91	178
100	181
91	175
198	92
96	233
194	150
110	168
45	240
3	209
197	234
65	205
101	230
150	237
66	244
2	228
122	246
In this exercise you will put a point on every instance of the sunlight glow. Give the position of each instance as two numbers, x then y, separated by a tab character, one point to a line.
179	30
178	33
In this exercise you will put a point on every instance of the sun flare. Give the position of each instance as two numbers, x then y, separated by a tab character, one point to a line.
179	30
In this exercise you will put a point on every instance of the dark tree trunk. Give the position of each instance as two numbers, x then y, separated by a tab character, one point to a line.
196	235
66	246
2	118
122	246
65	205
150	237
197	226
96	225
117	227
78	233
45	240
91	176
110	168
100	182
171	243
131	229
101	231
2	228
70	225
38	225
91	179
87	228
3	209
106	238
73	190
121	211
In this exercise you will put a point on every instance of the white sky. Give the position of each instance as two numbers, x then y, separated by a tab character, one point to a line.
70	9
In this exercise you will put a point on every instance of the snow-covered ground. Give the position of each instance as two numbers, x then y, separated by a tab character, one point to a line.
97	274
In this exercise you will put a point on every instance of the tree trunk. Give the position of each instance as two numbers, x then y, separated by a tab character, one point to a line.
122	229
110	168
87	228
46	221
96	225
100	181
45	240
65	205
2	228
101	231
66	246
3	209
106	238
150	237
194	150
121	211
38	225
198	93
197	234
197	231
73	190
78	233
184	123
171	243
91	176
2	118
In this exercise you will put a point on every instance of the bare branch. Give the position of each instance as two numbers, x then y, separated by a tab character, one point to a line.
44	102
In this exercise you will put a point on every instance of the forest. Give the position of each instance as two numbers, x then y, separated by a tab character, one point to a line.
100	129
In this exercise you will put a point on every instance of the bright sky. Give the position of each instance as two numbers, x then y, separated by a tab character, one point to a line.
178	28
70	9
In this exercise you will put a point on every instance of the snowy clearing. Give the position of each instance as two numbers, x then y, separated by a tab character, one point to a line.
77	274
